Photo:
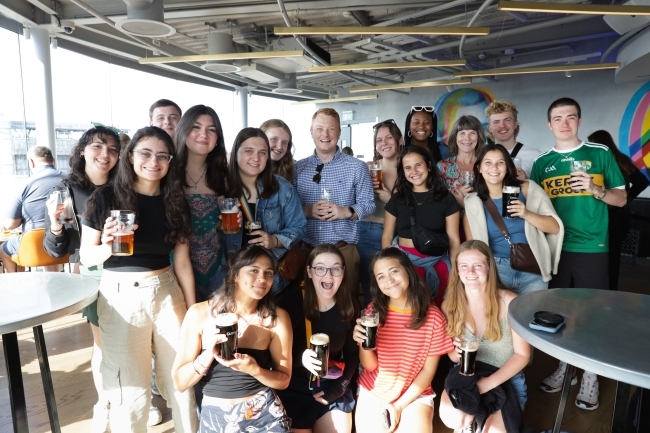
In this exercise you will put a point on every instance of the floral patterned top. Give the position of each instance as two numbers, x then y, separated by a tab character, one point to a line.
205	249
451	172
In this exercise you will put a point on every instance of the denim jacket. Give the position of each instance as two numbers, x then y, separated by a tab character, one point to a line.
281	215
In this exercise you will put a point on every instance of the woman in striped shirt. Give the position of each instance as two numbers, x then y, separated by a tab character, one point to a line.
395	386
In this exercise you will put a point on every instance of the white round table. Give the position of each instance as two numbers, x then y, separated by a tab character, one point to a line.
31	299
606	332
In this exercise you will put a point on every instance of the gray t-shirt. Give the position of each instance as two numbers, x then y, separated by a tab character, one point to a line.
29	202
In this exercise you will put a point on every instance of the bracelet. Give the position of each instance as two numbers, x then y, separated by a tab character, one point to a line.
199	362
57	232
205	369
602	196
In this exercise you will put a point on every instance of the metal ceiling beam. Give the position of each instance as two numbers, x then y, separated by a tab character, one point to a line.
361	18
23	12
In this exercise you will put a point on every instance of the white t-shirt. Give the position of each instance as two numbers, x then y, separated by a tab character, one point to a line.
528	156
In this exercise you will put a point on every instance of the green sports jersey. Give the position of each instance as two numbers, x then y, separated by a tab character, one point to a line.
585	218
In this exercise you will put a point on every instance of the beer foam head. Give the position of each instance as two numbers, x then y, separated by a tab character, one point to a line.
226	319
369	321
320	339
510	190
469	345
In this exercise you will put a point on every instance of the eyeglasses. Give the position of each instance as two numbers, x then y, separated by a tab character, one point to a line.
427	108
384	123
319	168
147	155
321	271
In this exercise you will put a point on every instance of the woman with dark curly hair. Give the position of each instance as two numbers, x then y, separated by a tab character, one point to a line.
281	142
421	129
203	172
142	301
420	191
93	162
238	393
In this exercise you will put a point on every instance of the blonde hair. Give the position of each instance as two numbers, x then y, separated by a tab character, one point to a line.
498	107
456	307
328	112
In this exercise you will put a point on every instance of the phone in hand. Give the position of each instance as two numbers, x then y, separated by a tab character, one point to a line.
386	416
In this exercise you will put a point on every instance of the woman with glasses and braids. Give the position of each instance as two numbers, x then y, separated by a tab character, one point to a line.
422	130
388	145
327	306
466	138
142	301
281	142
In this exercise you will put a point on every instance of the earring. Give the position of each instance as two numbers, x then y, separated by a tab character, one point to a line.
409	133
431	135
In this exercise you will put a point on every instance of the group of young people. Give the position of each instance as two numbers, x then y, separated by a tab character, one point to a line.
156	308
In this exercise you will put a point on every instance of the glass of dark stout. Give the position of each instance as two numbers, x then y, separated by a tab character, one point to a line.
469	348
227	324
370	322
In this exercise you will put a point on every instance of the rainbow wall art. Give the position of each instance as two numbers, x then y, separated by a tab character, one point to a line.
634	133
460	102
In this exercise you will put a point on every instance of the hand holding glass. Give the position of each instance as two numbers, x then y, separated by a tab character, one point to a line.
123	238
229	212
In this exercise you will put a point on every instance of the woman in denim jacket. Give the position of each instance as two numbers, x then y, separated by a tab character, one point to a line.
271	199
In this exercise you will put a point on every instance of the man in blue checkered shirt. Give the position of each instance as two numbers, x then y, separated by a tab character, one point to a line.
335	191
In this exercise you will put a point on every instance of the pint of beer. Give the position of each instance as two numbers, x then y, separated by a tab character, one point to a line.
250	227
123	237
370	322
228	326
320	343
64	204
229	212
469	348
376	172
509	193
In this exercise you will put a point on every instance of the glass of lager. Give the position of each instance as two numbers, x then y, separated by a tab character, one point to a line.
227	324
469	348
320	343
376	172
123	237
229	212
370	321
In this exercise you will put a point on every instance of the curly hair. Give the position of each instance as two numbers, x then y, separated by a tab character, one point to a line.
465	123
344	297
434	147
78	177
456	308
121	193
270	185
216	174
510	179
418	294
284	166
435	183
498	107
224	301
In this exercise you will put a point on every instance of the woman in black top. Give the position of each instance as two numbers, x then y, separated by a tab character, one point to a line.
328	307
142	301
419	186
238	394
93	162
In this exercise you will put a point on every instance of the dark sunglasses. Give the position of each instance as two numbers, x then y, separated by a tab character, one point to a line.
319	168
427	108
384	123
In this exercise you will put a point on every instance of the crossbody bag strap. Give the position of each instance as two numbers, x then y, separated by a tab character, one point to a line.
516	149
410	205
498	220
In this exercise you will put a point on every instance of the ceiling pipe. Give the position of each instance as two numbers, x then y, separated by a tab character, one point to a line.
311	52
485	4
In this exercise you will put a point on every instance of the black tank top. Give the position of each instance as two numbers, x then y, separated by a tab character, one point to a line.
224	382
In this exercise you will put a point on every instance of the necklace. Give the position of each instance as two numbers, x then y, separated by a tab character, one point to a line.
327	308
416	200
196	184
248	322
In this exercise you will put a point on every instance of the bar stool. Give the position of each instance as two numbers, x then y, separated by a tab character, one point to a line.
31	253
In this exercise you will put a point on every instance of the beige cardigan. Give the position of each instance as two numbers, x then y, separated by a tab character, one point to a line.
546	247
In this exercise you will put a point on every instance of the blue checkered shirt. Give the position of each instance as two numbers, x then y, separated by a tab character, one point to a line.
349	180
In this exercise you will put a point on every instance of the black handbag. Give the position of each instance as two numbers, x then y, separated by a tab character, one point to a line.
521	256
425	241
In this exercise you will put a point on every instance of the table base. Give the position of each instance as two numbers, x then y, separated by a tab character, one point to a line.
628	412
15	379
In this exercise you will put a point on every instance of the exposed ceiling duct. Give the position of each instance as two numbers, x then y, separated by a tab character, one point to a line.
288	86
145	18
220	43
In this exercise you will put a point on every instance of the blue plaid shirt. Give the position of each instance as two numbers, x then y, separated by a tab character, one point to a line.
349	180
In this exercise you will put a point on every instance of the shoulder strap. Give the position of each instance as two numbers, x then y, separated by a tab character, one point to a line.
246	209
498	220
516	150
412	209
307	325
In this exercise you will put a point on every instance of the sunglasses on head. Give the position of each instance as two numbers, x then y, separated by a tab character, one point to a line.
319	168
384	123
427	108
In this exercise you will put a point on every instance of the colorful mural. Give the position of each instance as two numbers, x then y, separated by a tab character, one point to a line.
460	102
634	133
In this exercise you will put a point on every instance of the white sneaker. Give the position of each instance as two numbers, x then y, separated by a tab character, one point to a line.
100	422
155	417
587	398
553	383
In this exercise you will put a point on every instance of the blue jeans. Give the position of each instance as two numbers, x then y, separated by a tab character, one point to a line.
518	281
518	382
433	281
368	245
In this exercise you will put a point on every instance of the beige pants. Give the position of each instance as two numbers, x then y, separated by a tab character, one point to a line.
138	318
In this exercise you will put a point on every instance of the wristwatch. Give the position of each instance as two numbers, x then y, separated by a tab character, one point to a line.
602	196
351	212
